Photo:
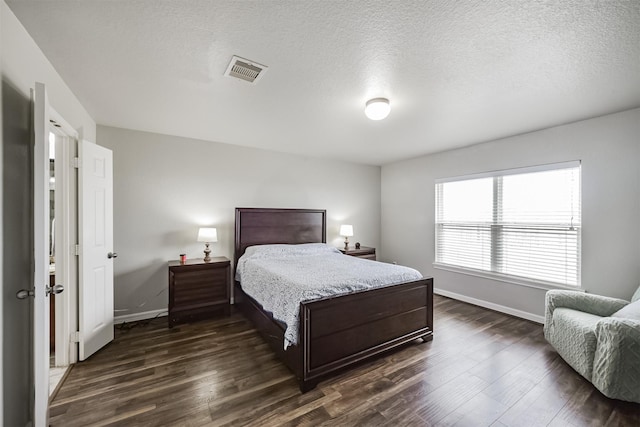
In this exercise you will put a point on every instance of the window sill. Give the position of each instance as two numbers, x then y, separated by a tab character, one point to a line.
505	278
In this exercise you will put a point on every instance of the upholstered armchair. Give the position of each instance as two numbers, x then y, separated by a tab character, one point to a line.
599	337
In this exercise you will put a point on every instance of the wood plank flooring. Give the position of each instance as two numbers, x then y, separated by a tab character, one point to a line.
482	369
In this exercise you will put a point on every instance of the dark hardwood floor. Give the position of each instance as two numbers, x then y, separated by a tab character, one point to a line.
482	369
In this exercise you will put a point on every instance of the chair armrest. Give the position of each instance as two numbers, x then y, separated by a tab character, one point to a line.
616	364
589	303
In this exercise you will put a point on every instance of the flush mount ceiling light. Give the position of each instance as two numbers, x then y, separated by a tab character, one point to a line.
377	108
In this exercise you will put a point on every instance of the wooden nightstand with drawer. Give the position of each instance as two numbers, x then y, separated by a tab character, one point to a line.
364	252
198	289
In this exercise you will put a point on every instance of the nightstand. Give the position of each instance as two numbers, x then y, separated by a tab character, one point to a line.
198	289
364	252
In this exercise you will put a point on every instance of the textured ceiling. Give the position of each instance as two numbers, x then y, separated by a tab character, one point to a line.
456	72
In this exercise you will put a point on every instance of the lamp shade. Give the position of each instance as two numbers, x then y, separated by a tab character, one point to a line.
346	230
207	235
377	108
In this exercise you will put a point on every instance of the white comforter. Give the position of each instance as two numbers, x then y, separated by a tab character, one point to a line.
280	277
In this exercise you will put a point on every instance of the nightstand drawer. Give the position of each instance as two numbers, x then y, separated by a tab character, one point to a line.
198	290
198	286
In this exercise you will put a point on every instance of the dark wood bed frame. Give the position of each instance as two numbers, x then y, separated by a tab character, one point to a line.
335	332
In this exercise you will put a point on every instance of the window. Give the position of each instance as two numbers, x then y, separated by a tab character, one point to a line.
515	224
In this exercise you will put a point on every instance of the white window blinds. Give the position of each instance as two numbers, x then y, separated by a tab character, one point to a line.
522	223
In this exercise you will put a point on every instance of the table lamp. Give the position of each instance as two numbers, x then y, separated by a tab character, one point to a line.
207	235
346	231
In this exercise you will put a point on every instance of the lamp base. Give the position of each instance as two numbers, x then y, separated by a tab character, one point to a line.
346	243
207	252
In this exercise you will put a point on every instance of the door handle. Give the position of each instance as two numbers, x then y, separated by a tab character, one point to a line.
112	255
24	293
55	289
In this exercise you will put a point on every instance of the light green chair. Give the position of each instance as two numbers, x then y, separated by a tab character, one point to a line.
599	337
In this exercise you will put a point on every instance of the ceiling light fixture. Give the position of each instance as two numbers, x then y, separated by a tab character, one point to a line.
377	108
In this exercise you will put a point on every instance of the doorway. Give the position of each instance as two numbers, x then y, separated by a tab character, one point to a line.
55	372
63	264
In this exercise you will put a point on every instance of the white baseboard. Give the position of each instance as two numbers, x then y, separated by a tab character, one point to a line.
134	317
492	306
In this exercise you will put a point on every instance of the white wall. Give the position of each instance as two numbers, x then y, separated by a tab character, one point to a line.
22	64
609	148
165	187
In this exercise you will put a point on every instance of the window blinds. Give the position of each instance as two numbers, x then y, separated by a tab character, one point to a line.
523	223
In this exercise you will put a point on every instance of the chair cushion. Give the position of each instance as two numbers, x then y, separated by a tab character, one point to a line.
636	295
572	333
631	311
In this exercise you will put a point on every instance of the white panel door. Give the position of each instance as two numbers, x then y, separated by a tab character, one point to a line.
95	193
40	256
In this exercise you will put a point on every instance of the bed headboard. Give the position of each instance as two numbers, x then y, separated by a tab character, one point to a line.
263	226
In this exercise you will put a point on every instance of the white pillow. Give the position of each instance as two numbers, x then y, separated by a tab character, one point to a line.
280	250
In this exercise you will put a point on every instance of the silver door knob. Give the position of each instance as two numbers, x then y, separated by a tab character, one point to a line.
55	289
112	255
24	294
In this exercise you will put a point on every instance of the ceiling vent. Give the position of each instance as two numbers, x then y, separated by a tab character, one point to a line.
246	70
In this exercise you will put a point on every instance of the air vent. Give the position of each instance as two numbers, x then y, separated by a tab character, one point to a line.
246	70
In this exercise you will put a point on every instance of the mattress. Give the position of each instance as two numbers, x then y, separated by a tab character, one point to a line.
280	277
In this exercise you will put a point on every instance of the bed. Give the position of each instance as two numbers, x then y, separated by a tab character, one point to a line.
334	332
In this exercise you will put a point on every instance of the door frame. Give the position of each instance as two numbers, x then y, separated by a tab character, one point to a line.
66	237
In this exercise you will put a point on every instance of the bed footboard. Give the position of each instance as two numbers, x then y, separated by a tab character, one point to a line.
337	332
